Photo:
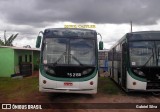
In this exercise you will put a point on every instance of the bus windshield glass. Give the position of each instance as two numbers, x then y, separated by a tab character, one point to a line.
70	51
144	53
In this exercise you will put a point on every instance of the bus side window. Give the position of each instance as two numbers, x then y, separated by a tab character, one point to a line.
110	56
124	47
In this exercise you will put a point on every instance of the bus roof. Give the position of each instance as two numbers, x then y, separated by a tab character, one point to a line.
78	29
144	35
138	36
144	32
69	32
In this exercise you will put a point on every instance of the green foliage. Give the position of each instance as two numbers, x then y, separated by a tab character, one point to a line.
107	86
1	42
22	89
9	41
38	42
15	88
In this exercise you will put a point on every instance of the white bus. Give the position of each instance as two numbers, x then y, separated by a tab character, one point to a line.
68	61
134	61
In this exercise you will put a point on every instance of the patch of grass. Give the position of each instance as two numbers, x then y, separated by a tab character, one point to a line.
107	86
26	88
17	88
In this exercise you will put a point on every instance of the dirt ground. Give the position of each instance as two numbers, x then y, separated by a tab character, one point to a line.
82	98
38	97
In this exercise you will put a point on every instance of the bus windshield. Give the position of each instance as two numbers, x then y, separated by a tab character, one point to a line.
70	51
144	53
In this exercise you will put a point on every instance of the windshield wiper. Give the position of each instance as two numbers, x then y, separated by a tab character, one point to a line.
55	63
149	58
76	60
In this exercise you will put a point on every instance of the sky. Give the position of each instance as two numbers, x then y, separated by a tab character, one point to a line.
111	17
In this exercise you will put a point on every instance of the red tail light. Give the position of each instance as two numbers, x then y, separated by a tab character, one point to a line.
91	83
44	81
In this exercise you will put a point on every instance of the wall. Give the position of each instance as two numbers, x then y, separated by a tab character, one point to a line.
19	52
9	59
36	59
6	62
22	53
103	61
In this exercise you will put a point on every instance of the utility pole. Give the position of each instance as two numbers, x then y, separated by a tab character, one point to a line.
131	26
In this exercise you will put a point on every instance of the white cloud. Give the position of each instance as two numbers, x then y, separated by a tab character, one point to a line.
111	17
110	32
24	42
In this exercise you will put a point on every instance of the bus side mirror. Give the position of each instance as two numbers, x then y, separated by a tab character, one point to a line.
38	42
101	45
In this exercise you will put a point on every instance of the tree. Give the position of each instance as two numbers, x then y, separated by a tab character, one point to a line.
9	41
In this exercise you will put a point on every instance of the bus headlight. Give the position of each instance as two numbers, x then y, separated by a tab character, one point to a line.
139	72
86	71
49	70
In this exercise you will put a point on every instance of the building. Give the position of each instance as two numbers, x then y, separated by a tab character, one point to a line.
15	60
103	60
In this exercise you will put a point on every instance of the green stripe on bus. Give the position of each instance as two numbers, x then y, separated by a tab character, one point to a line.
136	77
67	79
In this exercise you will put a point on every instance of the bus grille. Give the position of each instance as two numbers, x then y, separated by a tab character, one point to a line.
153	85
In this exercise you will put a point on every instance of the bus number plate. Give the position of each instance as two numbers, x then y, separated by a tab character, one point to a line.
68	84
74	74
